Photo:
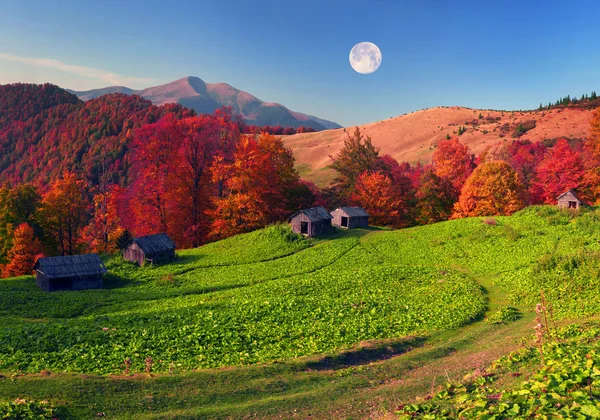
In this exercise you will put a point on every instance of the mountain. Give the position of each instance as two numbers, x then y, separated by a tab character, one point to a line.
413	137
45	131
205	98
95	93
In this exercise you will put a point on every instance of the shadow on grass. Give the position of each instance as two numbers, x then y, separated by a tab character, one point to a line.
186	259
366	355
114	281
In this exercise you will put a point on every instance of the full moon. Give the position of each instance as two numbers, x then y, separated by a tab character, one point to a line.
365	57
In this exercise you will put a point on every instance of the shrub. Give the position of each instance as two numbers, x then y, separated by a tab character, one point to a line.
504	315
510	233
22	409
522	128
490	221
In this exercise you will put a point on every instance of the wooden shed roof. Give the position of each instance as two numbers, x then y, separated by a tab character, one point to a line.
353	211
572	192
70	266
152	244
314	214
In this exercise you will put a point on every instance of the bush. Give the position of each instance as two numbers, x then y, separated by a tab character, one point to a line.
504	315
510	233
22	409
490	221
523	128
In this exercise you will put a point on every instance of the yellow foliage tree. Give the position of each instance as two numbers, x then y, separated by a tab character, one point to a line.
493	189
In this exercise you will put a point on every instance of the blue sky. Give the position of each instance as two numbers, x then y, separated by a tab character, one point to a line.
483	54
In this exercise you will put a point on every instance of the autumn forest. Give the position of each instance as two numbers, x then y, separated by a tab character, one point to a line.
87	176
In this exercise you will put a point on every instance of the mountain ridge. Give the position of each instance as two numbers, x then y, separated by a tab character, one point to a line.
412	137
205	98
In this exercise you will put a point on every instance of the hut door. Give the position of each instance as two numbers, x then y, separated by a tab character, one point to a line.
61	284
304	228
344	222
572	204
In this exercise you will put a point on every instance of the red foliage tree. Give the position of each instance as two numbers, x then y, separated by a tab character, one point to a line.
452	161
199	143
561	169
156	147
523	156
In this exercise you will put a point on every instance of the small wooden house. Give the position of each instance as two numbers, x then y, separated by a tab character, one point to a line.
71	272
154	249
311	222
350	217
569	200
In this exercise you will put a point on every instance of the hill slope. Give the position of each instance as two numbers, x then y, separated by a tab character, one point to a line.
45	131
231	304
413	137
205	98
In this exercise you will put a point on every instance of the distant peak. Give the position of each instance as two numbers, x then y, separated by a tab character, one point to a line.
197	84
192	79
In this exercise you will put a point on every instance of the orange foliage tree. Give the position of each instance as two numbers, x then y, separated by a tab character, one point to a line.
592	162
250	191
285	181
104	229
378	195
64	211
18	204
452	161
493	189
25	251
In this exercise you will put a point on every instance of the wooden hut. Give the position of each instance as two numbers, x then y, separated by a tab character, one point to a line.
71	272
311	222
350	217
569	200
154	249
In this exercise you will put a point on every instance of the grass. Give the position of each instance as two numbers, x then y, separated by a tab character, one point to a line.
294	299
344	327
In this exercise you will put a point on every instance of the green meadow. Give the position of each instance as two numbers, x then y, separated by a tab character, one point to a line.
271	324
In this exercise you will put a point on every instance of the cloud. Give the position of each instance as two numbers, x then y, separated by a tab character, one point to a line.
90	72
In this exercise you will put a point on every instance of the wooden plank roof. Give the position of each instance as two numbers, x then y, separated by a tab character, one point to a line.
572	192
70	266
314	214
353	211
152	244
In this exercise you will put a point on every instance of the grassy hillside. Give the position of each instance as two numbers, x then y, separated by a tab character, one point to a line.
413	137
272	295
349	325
562	381
539	248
